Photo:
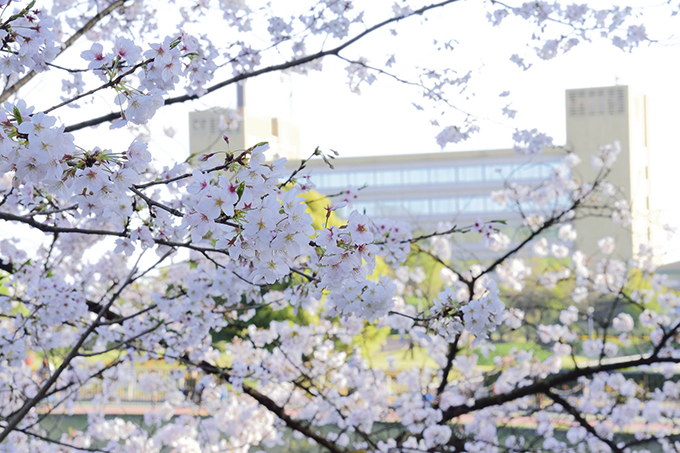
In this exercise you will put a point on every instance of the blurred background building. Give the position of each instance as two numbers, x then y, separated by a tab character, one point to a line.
440	189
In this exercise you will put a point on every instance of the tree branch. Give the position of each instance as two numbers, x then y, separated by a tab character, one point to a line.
56	442
277	410
450	357
581	421
21	413
555	380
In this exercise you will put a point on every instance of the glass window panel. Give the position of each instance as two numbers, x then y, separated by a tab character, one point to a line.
471	173
492	206
444	175
365	206
564	202
343	213
320	180
361	178
520	173
528	172
388	178
354	177
493	173
444	205
336	179
472	204
419	207
389	208
415	176
529	206
499	172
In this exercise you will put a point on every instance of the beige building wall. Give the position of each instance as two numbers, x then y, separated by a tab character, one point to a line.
601	116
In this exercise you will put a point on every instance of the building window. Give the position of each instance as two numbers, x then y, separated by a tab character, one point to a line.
581	103
472	204
362	178
492	206
600	102
336	179
592	101
388	209
416	176
471	173
417	207
444	205
620	100
527	172
572	104
388	178
444	175
498	172
367	207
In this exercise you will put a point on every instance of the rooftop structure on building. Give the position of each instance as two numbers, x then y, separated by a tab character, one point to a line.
243	129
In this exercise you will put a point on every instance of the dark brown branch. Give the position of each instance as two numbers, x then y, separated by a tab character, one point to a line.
151	202
555	380
18	416
277	410
7	266
112	318
301	167
45	228
238	159
122	342
56	442
581	421
450	357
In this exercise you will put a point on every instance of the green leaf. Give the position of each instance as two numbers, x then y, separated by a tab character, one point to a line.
17	115
239	190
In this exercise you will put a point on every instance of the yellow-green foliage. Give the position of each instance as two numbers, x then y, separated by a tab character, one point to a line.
316	207
433	283
371	339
